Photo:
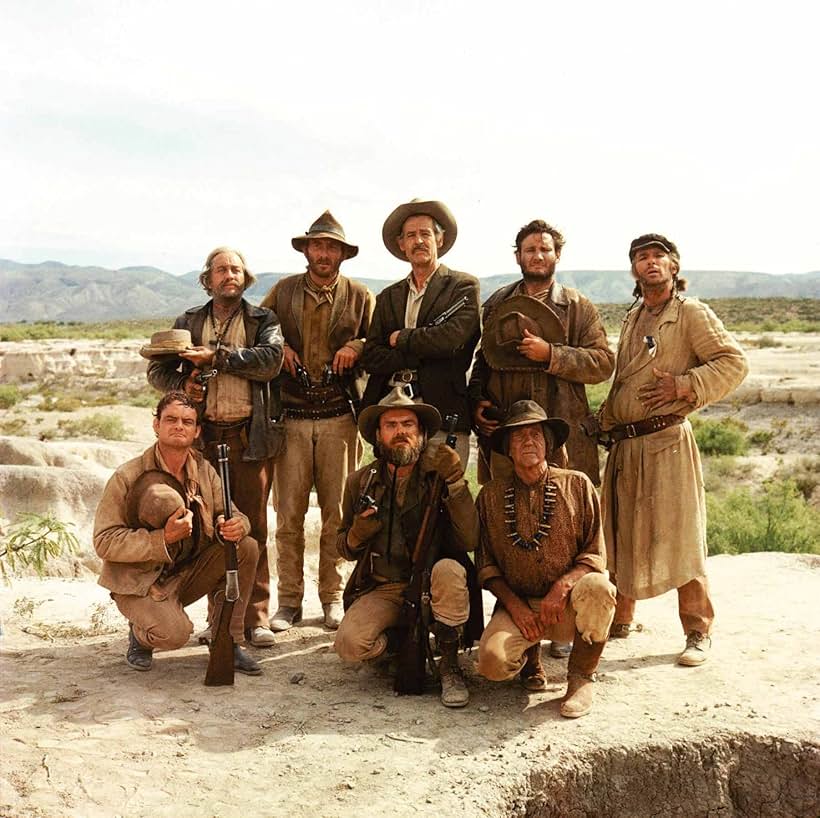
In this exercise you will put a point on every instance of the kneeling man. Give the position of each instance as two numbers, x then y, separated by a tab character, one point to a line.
381	539
542	554
158	529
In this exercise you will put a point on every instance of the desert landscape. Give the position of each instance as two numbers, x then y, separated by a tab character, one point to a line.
83	735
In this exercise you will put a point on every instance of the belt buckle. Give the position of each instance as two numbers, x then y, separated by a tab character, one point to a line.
403	376
630	429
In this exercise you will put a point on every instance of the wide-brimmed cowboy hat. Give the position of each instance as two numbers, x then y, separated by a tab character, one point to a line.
436	210
325	227
167	343
504	331
526	413
397	398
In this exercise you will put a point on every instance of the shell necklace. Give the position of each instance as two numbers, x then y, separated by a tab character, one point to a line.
543	530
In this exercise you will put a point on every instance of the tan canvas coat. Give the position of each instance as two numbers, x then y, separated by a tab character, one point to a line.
653	500
133	558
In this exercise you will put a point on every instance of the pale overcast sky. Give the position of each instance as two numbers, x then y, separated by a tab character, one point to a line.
149	132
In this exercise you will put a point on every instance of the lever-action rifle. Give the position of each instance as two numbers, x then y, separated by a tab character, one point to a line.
416	614
220	663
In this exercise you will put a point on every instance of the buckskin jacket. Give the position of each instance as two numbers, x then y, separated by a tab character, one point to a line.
259	363
441	355
653	502
583	358
133	558
456	530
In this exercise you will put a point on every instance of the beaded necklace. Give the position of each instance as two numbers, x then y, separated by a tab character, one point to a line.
543	530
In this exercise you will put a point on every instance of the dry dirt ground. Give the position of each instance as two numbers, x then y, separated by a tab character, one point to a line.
81	734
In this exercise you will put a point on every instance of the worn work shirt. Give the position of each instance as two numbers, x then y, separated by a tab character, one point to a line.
228	399
414	299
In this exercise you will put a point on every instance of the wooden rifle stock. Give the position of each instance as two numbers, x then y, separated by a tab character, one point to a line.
415	618
220	664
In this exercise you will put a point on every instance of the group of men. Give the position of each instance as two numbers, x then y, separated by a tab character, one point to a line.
295	384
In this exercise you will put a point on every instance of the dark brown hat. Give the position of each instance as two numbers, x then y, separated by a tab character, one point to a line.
505	331
438	211
428	416
653	240
154	496
526	413
325	227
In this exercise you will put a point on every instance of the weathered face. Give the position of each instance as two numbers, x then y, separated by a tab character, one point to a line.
227	278
527	446
324	257
419	241
177	427
537	257
399	436
653	267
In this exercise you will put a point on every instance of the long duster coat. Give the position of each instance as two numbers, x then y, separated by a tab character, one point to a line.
653	502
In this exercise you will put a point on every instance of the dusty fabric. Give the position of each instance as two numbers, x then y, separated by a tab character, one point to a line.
654	507
361	635
575	535
585	358
228	398
695	608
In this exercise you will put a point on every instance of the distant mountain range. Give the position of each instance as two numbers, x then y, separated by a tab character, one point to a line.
52	291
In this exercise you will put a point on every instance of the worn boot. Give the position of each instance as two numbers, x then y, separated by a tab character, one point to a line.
532	675
138	656
583	661
454	691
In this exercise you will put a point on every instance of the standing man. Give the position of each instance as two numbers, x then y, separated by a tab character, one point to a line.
157	530
381	539
242	345
425	327
541	341
542	555
325	318
674	356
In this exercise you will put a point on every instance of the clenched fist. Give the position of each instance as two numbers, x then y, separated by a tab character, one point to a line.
448	464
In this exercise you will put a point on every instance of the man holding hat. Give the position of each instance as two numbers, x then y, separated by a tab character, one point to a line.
241	345
325	317
381	539
157	531
541	553
541	341
425	327
674	356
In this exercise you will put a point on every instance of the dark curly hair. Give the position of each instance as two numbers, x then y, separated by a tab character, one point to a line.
540	226
174	396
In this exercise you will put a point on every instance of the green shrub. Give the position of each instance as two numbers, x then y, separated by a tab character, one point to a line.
9	396
60	403
805	473
776	519
13	426
108	427
723	470
761	438
715	437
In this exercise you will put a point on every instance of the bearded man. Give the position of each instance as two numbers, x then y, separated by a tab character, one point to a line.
674	356
381	539
541	341
325	317
241	345
541	553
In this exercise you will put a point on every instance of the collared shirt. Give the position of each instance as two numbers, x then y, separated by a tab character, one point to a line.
414	298
228	399
316	351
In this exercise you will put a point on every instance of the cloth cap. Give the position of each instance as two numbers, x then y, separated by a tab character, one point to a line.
653	240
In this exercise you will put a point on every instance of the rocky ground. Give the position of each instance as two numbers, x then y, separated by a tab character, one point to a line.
81	734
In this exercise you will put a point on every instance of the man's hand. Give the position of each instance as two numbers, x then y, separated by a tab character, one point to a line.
448	464
230	530
526	620
535	348
484	425
553	604
365	526
200	357
394	338
289	360
179	525
195	391
663	390
344	359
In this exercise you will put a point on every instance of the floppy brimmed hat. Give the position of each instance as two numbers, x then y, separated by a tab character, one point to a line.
325	227
436	210
428	416
653	240
167	343
505	331
154	496
526	413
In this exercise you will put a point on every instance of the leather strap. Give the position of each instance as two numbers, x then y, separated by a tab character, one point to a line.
642	427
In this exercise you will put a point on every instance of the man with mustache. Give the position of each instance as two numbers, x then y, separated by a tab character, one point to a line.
381	539
242	345
425	327
325	317
541	553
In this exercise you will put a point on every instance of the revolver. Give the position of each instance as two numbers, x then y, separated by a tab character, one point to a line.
202	379
303	376
365	500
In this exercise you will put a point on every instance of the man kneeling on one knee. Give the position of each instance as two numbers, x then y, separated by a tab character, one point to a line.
541	552
157	530
381	539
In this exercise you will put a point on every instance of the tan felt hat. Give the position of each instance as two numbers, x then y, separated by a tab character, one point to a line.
167	343
436	210
428	416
